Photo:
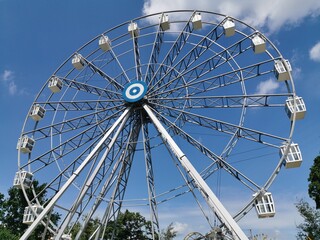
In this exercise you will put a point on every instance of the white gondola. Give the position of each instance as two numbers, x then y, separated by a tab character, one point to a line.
299	109
133	29
66	237
229	27
77	61
164	22
196	21
258	44
105	43
37	112
55	84
25	144
30	214
281	71
294	156
264	205
23	178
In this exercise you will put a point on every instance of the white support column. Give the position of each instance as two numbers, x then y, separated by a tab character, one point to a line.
56	197
88	183
204	189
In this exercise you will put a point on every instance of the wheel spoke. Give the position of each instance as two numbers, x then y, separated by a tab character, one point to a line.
204	189
69	145
236	101
90	89
171	55
73	177
228	128
211	63
151	68
76	123
217	161
150	181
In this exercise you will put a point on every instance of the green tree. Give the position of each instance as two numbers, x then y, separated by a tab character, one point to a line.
129	225
314	182
169	233
12	210
310	228
5	234
88	231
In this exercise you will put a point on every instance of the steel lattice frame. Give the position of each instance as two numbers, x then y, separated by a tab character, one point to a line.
203	89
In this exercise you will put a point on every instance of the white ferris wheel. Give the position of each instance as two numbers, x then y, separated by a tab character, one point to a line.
177	107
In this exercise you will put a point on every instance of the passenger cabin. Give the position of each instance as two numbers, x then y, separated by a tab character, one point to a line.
229	27
282	70
37	112
264	205
30	214
133	29
258	44
55	84
293	159
196	21
105	43
295	108
164	22
78	62
23	179
66	237
25	144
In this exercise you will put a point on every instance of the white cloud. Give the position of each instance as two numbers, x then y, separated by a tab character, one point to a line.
7	78
267	87
314	52
6	75
12	88
272	14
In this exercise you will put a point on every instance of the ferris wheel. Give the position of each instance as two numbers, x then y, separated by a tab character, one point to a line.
173	108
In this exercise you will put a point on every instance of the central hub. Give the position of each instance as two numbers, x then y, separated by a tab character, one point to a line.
134	91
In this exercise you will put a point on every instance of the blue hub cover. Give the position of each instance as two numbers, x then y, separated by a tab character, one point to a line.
134	91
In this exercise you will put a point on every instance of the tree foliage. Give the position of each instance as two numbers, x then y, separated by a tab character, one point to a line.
314	182
169	233
129	225
12	210
310	228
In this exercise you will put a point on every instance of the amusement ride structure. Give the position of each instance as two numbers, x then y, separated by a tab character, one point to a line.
176	109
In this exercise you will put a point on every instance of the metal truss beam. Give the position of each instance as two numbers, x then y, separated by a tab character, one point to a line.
212	201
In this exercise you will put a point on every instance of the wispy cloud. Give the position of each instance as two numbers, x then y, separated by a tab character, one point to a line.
7	79
267	87
314	52
6	75
272	15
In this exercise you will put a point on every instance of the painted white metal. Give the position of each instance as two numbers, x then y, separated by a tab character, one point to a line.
229	27
89	182
73	177
293	159
282	70
295	105
37	112
105	43
23	178
258	44
196	21
164	22
133	29
264	205
55	84
204	189
77	62
25	144
30	213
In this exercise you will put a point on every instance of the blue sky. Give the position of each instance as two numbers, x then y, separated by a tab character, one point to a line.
37	36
